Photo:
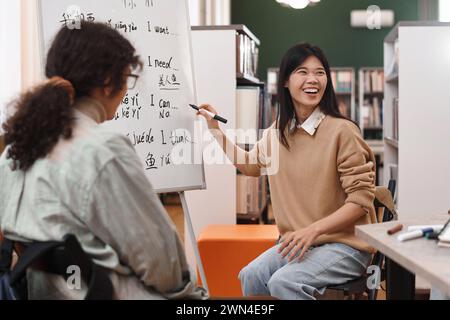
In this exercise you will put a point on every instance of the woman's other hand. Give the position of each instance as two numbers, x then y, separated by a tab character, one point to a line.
298	241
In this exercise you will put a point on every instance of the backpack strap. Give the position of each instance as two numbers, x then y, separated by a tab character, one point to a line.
58	256
32	253
6	252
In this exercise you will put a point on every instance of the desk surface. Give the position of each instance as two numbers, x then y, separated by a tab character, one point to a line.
420	256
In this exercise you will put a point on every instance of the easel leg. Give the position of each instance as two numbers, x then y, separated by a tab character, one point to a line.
187	216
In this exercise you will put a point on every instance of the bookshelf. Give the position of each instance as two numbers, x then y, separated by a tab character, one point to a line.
220	68
251	192
343	79
416	113
371	93
370	112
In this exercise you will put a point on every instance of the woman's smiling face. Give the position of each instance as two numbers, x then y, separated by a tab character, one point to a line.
307	83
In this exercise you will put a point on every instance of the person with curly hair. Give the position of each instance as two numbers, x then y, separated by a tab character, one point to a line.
62	173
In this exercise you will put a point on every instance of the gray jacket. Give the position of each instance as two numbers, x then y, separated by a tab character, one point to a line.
94	186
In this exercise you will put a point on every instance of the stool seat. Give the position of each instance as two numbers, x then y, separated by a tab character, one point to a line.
226	249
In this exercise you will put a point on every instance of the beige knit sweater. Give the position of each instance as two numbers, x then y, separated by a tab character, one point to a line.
319	174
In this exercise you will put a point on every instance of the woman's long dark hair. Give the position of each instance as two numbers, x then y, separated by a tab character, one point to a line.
90	57
293	58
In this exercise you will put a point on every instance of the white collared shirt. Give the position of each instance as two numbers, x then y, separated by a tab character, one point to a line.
311	124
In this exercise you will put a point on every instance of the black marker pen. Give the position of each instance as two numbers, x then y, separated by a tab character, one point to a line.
212	115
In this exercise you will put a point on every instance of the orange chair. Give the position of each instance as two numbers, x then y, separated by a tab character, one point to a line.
226	249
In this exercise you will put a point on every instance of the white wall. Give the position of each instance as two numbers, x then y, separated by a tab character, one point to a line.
214	55
10	53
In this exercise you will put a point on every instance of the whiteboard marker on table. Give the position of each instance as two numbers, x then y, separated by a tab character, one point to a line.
414	234
212	115
435	227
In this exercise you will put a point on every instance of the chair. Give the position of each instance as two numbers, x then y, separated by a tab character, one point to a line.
56	257
383	203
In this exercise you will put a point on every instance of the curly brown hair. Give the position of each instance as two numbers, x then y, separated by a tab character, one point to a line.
90	57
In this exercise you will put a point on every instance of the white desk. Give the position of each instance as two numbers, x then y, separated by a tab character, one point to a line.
419	257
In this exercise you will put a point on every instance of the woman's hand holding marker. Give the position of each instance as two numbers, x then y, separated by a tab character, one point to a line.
210	115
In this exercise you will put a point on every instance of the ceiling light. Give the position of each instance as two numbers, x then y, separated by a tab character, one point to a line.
297	4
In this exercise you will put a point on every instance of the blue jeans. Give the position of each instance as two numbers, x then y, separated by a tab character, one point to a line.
321	267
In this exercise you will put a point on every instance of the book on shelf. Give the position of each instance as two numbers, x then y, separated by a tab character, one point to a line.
254	58
372	112
377	112
247	55
240	53
263	189
392	68
241	192
268	113
373	81
248	105
343	86
265	115
248	194
395	118
342	81
247	67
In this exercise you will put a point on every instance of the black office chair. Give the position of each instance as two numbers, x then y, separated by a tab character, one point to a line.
356	288
56	257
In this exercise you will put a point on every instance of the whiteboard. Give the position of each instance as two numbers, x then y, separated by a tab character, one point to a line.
155	115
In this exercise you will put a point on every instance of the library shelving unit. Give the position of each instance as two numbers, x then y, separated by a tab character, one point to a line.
220	68
252	192
416	117
370	112
371	93
344	85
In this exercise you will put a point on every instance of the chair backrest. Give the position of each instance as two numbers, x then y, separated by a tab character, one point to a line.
56	257
385	203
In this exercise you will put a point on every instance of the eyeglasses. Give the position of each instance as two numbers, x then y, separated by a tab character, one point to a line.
131	80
